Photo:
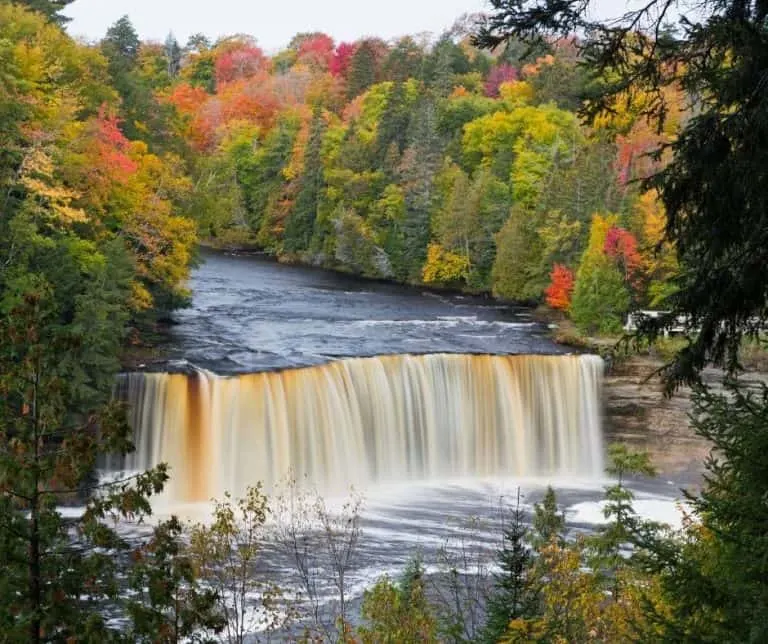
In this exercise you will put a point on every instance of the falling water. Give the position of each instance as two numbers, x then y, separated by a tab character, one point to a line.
362	420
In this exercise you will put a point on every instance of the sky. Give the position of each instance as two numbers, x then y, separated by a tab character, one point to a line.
272	22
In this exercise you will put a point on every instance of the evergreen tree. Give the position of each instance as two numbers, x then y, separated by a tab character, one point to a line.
51	9
172	55
300	225
442	74
121	46
516	269
418	168
64	316
721	557
362	69
548	521
405	60
444	63
393	124
121	49
260	171
67	286
198	43
512	596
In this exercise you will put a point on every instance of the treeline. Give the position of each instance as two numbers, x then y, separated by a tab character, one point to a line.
420	162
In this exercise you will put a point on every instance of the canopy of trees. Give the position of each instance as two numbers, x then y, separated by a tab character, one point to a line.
422	163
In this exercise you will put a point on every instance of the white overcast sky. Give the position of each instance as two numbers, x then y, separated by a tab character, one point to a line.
272	22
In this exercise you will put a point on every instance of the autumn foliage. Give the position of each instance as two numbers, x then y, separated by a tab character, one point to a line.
243	61
558	293
342	58
621	245
504	73
112	146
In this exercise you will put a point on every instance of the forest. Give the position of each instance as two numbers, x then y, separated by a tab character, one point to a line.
425	163
421	162
597	174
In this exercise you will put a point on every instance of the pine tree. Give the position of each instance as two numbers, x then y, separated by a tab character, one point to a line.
51	9
405	60
362	69
121	44
418	168
64	304
300	225
548	521
512	596
600	296
516	274
393	125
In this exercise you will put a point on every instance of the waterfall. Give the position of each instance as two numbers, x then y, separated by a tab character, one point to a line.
361	420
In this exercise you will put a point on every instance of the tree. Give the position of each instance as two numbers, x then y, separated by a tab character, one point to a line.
67	285
362	69
600	297
168	603
319	541
316	50
500	74
238	61
624	526
173	55
398	612
518	258
418	167
392	127
621	246
225	554
404	61
342	58
51	9
443	266
571	600
512	596
548	521
560	289
121	44
300	225
719	557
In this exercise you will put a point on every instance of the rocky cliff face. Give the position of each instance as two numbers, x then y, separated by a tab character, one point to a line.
636	412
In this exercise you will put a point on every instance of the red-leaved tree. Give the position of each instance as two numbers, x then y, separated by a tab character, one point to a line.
560	289
236	64
317	51
499	75
342	58
621	246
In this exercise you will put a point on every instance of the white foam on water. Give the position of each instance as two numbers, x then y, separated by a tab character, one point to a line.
666	510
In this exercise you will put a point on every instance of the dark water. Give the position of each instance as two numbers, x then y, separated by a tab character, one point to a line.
251	314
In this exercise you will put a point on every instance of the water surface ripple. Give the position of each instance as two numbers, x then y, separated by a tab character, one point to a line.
250	314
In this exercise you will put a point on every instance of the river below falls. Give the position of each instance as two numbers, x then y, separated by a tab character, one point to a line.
249	314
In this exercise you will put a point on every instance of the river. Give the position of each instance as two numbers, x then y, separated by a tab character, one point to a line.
251	314
437	407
